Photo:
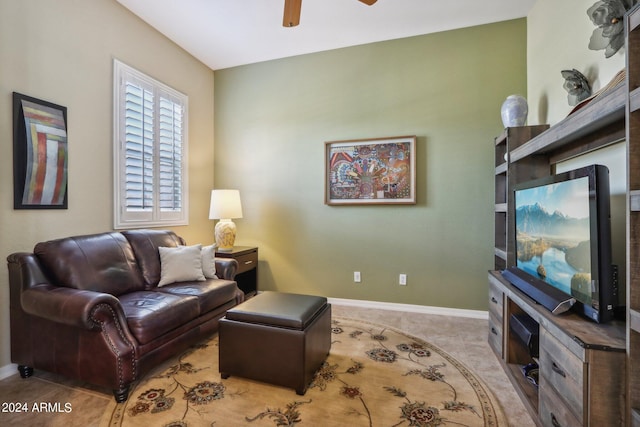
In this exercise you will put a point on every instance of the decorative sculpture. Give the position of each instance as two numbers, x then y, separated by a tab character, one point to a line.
576	85
608	16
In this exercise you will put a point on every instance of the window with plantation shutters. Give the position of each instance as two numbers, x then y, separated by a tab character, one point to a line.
150	151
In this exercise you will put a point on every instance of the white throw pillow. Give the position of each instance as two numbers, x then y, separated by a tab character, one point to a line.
209	262
180	264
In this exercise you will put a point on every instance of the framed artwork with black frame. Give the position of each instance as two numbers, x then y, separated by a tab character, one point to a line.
371	171
40	154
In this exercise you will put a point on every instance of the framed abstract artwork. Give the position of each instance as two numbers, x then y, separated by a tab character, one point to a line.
371	171
40	154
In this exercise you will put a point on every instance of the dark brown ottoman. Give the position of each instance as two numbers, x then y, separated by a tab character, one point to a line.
277	338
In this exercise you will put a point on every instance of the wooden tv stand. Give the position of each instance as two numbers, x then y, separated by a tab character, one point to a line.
582	363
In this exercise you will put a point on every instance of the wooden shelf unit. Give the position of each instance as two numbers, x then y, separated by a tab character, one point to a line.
595	356
510	139
632	28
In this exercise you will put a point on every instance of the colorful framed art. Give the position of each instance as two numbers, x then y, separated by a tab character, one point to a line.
371	171
40	154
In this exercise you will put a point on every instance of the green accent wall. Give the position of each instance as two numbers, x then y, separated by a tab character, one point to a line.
273	118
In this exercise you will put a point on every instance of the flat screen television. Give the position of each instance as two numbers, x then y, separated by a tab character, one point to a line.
563	237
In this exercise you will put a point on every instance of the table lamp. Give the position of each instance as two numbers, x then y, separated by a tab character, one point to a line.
225	205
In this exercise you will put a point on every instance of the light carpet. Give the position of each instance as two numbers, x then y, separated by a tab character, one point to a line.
374	376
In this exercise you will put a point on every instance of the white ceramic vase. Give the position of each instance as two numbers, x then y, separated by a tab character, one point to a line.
514	111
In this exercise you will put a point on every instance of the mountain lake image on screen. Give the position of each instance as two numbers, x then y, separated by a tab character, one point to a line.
553	236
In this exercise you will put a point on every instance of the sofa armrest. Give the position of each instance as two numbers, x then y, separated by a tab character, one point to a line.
32	291
72	307
226	268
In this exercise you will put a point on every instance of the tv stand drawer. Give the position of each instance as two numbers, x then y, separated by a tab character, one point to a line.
553	412
563	371
496	301
495	334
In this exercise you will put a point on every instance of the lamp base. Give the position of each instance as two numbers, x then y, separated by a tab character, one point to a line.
225	233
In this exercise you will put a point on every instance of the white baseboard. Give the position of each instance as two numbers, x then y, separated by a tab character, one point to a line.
7	370
411	308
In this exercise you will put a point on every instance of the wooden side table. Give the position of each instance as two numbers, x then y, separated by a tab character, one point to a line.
247	275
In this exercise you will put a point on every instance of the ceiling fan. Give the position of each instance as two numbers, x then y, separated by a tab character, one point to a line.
292	11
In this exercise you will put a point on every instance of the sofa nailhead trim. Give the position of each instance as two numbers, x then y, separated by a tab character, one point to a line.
113	347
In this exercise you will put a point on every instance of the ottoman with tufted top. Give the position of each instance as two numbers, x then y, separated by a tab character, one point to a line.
277	338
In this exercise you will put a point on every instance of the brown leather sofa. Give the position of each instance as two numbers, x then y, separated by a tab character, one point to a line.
89	307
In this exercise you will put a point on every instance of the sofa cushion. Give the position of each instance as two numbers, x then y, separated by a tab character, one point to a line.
145	244
151	314
211	293
99	262
180	264
209	261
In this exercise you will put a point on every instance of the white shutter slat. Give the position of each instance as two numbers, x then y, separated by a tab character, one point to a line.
170	165
139	147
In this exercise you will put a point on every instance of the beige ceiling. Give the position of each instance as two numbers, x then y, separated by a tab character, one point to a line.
227	33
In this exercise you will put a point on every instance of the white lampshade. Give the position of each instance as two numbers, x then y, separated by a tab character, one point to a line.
225	204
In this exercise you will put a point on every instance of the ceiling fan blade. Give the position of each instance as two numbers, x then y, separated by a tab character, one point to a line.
368	2
292	13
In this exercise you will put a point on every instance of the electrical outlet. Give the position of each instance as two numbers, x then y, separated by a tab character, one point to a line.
356	276
403	280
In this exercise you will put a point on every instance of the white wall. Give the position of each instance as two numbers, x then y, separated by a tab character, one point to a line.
558	33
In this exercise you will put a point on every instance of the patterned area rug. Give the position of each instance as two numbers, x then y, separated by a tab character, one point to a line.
374	376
